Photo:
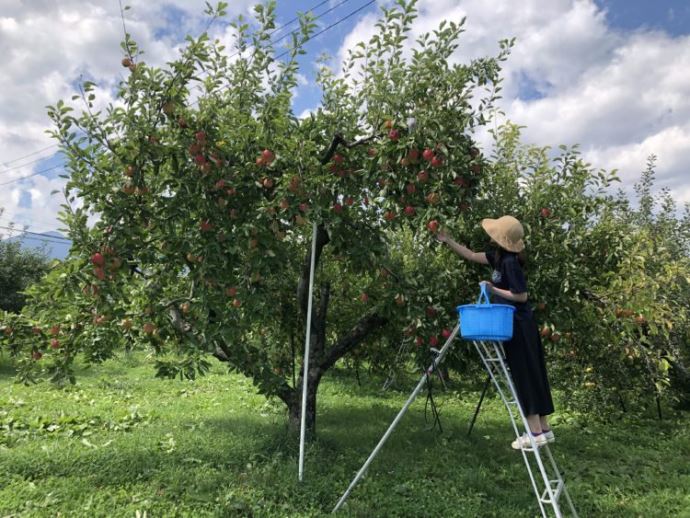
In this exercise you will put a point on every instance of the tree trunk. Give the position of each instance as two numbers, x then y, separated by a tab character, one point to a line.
295	408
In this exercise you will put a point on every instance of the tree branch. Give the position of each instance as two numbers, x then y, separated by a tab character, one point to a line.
366	325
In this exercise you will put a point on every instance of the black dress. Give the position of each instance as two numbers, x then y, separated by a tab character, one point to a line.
524	352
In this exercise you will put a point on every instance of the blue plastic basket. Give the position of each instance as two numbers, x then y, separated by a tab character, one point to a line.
486	321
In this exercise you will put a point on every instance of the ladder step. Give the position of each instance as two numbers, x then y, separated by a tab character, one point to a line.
556	489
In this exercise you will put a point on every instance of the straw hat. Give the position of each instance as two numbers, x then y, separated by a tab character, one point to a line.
506	231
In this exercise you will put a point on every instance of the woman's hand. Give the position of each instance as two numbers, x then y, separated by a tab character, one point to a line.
489	286
442	236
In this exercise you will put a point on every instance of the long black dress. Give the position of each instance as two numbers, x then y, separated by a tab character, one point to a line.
524	352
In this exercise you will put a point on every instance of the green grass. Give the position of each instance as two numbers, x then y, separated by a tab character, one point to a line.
122	442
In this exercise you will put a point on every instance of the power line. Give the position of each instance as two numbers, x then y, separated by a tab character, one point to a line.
40	239
30	154
44	236
14	168
32	174
315	18
337	22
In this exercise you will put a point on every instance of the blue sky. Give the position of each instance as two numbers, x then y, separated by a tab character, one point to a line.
672	16
610	75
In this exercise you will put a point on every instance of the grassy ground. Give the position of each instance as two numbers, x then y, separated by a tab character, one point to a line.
121	442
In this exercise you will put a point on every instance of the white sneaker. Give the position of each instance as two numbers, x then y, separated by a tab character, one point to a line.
550	437
523	442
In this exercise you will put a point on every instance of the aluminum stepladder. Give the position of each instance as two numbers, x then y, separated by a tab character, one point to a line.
492	356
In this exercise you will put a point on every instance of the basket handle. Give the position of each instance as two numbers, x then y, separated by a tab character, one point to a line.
483	293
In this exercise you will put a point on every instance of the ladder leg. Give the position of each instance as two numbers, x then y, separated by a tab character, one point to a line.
488	359
492	357
549	489
479	405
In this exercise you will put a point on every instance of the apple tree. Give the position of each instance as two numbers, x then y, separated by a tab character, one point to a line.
191	200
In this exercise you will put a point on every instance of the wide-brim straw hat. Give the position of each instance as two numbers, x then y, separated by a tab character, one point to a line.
507	231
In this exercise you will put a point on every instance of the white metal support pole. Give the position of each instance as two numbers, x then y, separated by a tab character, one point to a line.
397	419
305	375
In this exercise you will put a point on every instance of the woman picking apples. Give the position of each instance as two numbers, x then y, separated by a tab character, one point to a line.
524	351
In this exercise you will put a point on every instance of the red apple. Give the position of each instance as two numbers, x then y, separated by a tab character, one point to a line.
54	343
149	328
304	207
394	135
545	332
284	204
97	259
437	161
337	208
54	330
446	333
364	298
237	303
36	330
267	183
185	307
338	159
129	171
372	152
200	136
462	182
388	124
99	273
200	160
349	201
205	226
126	62
545	213
428	154
419	341
555	337
413	156
433	341
267	156
409	210
37	355
432	226
411	188
231	291
389	215
474	152
423	176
